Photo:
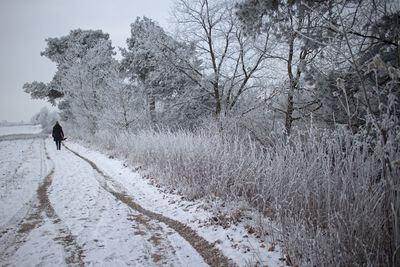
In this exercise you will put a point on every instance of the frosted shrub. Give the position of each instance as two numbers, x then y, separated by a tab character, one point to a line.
333	200
197	164
330	191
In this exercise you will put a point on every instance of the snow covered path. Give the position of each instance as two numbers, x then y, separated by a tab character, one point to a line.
79	207
77	217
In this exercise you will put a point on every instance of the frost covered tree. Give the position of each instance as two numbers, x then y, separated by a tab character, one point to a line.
46	119
85	70
327	43
232	62
363	79
300	28
40	90
122	104
150	62
88	81
65	52
140	59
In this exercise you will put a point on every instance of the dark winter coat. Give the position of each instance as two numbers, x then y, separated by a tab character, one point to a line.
58	133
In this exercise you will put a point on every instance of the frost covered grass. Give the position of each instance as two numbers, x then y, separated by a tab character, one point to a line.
331	191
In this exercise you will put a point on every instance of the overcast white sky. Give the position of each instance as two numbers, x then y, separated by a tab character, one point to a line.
25	24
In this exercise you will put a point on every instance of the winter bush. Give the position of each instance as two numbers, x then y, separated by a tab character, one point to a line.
330	190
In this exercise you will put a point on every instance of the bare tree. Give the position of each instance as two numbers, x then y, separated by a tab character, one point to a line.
231	60
301	31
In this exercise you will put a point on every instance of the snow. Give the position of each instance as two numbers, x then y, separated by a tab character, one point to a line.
90	213
79	221
21	170
233	241
36	248
20	129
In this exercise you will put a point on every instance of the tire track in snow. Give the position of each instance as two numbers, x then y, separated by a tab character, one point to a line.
208	251
40	208
10	232
74	253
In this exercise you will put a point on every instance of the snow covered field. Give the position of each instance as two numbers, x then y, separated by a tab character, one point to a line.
79	207
20	129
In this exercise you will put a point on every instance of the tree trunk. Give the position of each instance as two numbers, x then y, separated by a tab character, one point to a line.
289	111
290	104
152	109
217	103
